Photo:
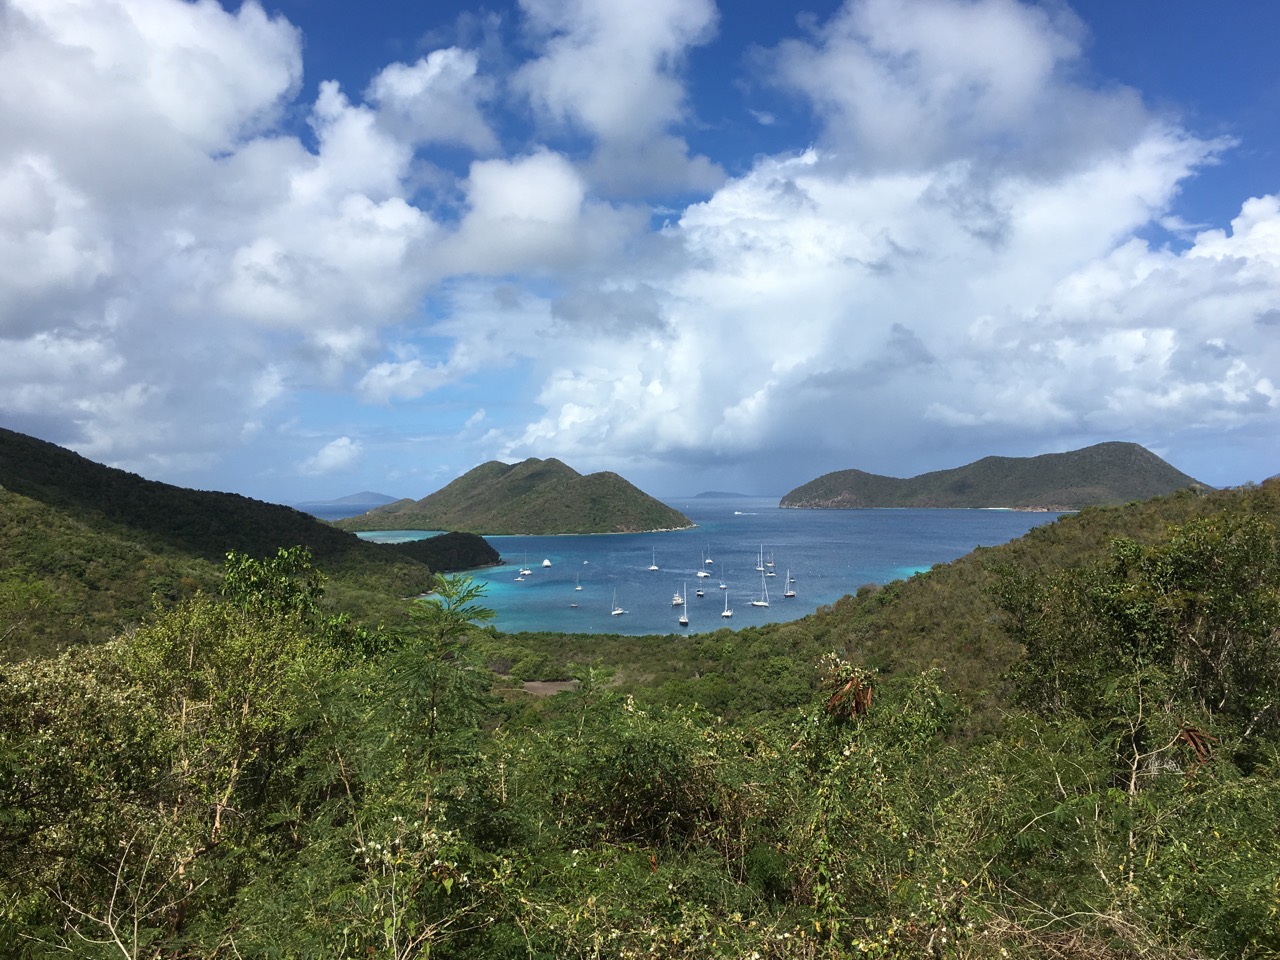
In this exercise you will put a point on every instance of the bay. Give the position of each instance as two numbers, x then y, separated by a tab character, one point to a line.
829	553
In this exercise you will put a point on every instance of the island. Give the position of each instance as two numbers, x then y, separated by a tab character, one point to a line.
533	497
1106	473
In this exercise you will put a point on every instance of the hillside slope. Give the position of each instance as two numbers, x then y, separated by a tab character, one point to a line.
535	497
1106	473
86	547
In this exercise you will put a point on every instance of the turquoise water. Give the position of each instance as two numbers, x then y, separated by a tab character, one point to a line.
829	553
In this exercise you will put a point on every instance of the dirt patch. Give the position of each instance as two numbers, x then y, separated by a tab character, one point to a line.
548	688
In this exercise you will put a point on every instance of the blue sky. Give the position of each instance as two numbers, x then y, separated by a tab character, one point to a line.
303	248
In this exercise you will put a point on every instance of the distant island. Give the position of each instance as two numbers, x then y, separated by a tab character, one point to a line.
722	495
1103	474
347	506
365	498
533	497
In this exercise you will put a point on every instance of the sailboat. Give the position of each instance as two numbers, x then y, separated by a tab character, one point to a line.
525	571
701	572
760	562
764	594
577	581
654	564
677	600
698	592
684	617
617	611
727	611
707	560
769	562
790	591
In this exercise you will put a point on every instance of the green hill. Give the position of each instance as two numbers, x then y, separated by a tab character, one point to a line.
531	497
86	547
1106	473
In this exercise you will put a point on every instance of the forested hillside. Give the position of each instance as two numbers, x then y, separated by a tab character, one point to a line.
1105	473
531	497
86	550
248	775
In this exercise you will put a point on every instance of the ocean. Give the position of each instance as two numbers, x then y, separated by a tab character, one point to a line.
827	553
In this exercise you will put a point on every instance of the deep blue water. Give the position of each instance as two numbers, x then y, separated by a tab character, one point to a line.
830	553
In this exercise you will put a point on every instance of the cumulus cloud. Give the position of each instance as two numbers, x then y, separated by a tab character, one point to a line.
613	71
335	456
532	214
195	245
894	277
921	82
438	99
957	260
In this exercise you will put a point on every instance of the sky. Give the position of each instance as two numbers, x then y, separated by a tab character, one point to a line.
303	248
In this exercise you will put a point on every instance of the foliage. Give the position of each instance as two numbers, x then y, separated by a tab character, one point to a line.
63	582
99	545
245	774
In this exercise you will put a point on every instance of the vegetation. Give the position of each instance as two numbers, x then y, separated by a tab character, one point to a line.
85	549
1106	473
247	774
531	497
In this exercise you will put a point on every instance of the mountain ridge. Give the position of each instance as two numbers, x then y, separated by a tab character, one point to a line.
1102	474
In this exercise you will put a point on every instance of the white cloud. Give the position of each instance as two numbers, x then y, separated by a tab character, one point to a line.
957	262
438	99
613	71
335	456
151	212
532	213
157	87
892	292
913	83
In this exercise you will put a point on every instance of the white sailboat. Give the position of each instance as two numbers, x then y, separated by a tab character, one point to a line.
617	611
698	592
525	571
760	561
577	581
677	600
763	601
684	617
727	611
790	591
654	564
701	572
